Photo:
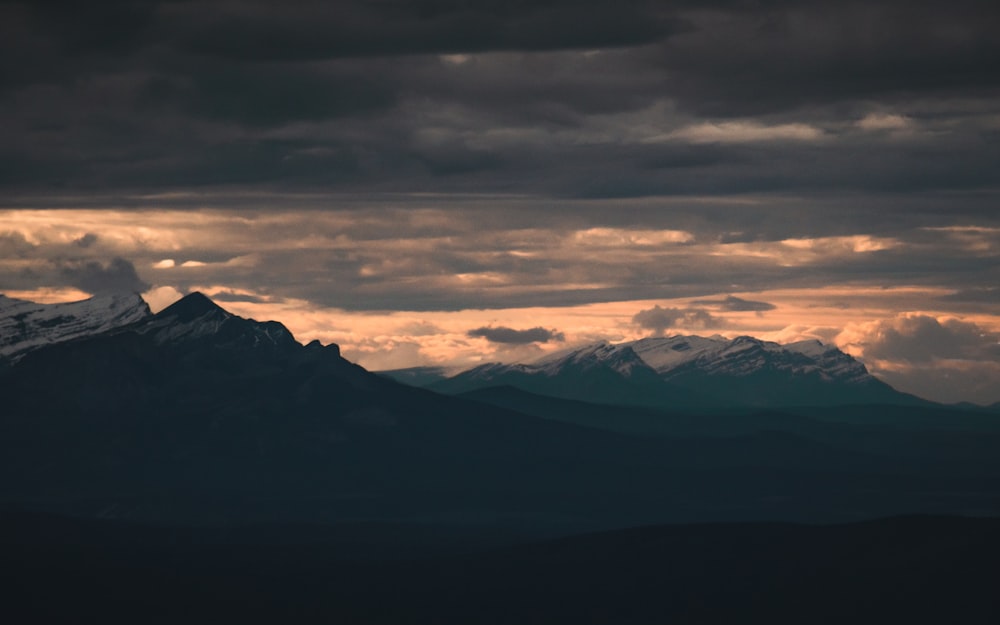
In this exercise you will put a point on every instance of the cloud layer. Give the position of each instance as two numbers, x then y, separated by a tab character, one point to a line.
596	170
566	99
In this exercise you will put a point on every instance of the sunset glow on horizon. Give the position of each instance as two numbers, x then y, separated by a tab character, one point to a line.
400	288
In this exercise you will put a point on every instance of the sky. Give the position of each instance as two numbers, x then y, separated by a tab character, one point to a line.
450	182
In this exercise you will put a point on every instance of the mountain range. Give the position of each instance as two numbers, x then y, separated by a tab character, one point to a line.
684	372
195	414
679	372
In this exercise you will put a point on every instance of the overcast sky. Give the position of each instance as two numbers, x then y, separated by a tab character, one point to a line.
451	182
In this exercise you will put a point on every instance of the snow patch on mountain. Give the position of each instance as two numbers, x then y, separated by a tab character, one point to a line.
745	355
620	359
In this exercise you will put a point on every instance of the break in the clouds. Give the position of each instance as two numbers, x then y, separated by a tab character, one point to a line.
510	336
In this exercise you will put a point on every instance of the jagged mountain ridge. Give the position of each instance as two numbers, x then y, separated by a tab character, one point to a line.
750	371
26	326
601	373
702	371
195	317
745	355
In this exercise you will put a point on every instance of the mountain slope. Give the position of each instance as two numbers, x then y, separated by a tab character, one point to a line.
416	376
26	326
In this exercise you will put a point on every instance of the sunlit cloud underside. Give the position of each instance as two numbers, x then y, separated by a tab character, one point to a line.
423	285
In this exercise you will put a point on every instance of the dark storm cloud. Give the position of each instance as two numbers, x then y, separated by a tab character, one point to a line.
50	40
15	245
116	276
86	240
732	303
510	336
321	30
268	95
784	55
660	319
580	100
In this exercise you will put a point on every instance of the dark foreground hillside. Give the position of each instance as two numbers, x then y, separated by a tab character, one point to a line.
896	570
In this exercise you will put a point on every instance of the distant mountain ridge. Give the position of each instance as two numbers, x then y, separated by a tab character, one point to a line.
416	376
26	326
684	371
601	373
750	371
677	372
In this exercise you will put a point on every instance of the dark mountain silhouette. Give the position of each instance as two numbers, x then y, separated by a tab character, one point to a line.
932	434
195	414
416	376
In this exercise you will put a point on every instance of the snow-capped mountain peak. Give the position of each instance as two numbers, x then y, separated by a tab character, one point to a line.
665	353
741	371
26	326
754	371
745	355
621	359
